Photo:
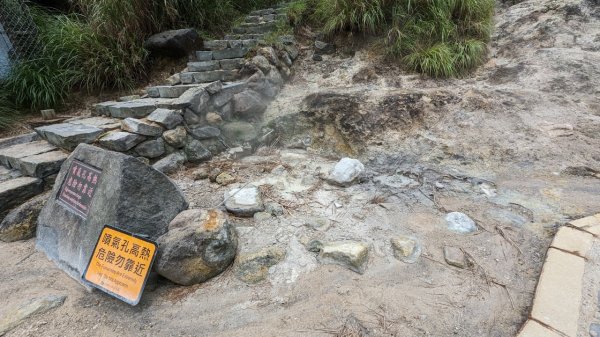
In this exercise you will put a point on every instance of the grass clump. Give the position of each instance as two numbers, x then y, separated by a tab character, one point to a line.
440	38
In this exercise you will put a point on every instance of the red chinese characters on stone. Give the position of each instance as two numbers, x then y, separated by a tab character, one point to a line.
78	188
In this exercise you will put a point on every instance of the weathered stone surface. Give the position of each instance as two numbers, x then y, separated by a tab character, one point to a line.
37	306
199	245
169	91
129	195
270	54
244	202
460	223
195	151
170	163
10	156
262	216
261	63
572	240
103	109
191	118
204	66
204	55
292	51
535	329
21	222
216	44
254	267
42	165
151	149
227	92
455	257
406	249
230	53
8	174
175	43
104	123
175	138
239	132
195	99
205	132
274	77
213	118
346	172
135	109
248	103
324	48
129	98
230	64
120	141
16	191
142	127
21	139
225	179
67	136
350	254
165	117
274	208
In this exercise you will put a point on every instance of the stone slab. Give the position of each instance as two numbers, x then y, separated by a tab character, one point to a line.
128	194
42	165
120	141
535	329
9	156
589	224
203	66
215	45
230	64
67	136
8	174
21	139
138	108
16	191
103	108
104	123
558	294
204	55
572	240
230	53
169	91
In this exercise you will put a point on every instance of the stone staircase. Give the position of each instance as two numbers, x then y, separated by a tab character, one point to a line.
208	108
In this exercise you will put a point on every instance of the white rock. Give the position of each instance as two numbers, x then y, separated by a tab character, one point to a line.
346	171
460	223
244	202
352	255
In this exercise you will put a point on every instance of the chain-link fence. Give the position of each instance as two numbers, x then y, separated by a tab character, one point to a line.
18	34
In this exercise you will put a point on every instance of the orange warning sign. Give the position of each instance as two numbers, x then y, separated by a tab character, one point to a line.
120	264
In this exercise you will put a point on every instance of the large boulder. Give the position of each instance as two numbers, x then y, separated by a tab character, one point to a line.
174	43
199	245
21	222
126	194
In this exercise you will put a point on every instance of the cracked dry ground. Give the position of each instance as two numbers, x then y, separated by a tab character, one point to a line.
515	146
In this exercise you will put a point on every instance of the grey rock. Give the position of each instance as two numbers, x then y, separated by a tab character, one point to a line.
169	91
261	63
227	92
455	257
200	174
239	152
225	179
16	191
324	48
205	132
21	139
196	152
460	223
170	163
195	99
350	254
8	174
129	194
229	64
292	51
104	123
165	117
406	249
262	216
151	149
287	39
204	55
285	58
204	66
214	87
216	44
11	155
135	109
128	98
270	54
174	79
174	43
595	330
37	306
274	77
191	118
248	104
230	53
254	267
239	132
346	172
213	118
103	109
143	160
274	208
120	141
199	245
21	222
317	57
176	137
42	165
142	127
67	136
244	202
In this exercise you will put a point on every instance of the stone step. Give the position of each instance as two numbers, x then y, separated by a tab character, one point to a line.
42	165
225	64
67	136
8	174
21	139
215	44
255	28
244	37
104	123
168	91
16	191
139	108
239	48
209	76
262	12
9	157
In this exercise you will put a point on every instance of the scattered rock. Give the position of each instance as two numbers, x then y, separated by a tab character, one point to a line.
214	173
151	149
170	163
406	249
37	306
174	43
128	195
21	222
274	208
165	117
239	152
248	103
120	141
142	127
254	267
199	245
196	152
460	223
317	58
225	179
350	254
314	246
324	48
175	138
262	216
455	257
346	171
200	174
205	132
244	202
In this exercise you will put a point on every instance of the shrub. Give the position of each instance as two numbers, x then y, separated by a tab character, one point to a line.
356	15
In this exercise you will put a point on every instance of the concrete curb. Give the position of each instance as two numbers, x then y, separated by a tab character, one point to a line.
557	300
